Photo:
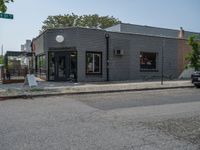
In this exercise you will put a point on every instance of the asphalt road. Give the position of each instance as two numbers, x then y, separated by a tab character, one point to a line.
148	120
141	98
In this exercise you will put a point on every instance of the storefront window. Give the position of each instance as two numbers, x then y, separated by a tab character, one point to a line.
148	61
93	62
41	66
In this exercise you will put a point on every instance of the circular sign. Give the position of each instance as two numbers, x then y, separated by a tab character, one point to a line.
59	38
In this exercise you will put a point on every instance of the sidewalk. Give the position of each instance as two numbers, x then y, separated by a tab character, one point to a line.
44	88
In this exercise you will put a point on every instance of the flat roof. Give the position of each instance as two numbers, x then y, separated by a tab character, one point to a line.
18	53
158	36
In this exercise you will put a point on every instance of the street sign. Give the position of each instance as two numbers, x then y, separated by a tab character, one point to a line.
6	16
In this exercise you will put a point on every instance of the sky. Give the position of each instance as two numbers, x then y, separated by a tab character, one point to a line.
30	14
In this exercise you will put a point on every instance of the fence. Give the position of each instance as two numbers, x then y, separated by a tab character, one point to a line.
18	75
13	75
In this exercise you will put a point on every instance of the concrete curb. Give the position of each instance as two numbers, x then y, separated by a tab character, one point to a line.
28	96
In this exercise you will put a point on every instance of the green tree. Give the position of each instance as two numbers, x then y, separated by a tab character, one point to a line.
193	57
3	7
1	59
69	20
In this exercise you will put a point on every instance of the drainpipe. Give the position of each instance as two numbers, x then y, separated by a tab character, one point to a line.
107	36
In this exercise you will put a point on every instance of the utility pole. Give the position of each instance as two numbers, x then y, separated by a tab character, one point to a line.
162	61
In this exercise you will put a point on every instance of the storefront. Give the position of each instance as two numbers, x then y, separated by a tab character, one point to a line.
84	55
62	66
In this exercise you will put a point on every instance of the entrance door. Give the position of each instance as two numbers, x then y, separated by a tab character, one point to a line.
61	66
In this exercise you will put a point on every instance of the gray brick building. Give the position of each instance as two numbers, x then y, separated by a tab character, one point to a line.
122	52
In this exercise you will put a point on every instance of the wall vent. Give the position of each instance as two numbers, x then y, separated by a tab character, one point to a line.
119	52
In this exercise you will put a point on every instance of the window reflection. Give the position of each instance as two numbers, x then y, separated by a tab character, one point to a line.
148	60
93	62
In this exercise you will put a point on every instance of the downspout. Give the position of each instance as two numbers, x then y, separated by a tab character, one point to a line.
107	36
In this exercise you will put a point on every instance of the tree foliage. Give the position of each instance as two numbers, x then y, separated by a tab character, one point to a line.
3	7
194	56
1	59
69	20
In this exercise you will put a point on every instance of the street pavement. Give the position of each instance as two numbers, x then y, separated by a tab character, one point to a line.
143	120
141	98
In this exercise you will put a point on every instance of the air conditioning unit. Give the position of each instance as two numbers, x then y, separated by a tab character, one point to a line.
119	52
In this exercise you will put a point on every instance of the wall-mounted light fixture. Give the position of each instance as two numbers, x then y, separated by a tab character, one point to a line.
59	38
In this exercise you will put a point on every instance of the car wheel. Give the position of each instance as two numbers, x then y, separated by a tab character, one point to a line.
197	85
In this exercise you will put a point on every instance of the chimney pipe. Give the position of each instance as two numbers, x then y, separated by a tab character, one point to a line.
181	33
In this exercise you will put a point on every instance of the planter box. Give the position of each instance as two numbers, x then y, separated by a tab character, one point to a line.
13	81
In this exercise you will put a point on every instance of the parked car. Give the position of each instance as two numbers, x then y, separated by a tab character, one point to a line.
196	78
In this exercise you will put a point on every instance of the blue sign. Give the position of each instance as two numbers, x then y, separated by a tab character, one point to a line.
6	16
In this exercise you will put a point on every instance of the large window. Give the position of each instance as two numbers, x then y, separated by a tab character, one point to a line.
41	66
148	61
93	62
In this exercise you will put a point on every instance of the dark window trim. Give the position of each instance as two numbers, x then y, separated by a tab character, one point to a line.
93	52
48	55
148	70
62	49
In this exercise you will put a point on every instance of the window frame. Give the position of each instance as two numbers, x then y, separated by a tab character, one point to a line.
86	63
150	69
39	72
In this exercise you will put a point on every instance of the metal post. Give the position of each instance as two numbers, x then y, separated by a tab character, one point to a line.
162	62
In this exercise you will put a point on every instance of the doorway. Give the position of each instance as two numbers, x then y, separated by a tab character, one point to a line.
62	66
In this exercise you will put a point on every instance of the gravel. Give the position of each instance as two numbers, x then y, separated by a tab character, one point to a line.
184	129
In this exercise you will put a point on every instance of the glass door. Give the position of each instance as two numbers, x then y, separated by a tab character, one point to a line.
73	66
62	66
